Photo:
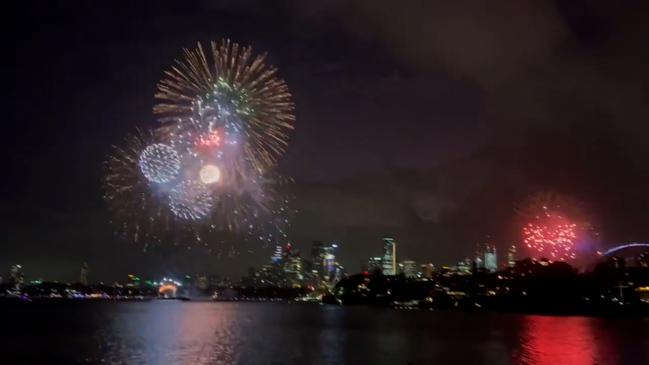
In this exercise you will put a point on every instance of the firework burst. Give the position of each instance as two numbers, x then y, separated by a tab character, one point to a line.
553	226
139	212
552	236
190	200
232	91
207	169
159	163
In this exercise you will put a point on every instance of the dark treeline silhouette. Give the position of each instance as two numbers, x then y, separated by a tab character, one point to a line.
538	286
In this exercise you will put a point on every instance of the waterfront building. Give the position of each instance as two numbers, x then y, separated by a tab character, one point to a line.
323	260
408	268
389	262
374	264
464	267
511	256
490	258
277	255
479	261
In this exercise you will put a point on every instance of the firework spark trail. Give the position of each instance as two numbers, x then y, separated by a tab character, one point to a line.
553	237
234	84
553	226
139	214
207	169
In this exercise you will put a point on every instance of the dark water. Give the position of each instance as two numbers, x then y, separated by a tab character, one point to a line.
170	332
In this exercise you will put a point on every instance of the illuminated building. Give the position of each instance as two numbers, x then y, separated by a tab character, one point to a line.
389	261
168	287
323	258
643	293
339	273
463	267
511	256
293	274
133	281
427	270
408	268
277	255
375	264
270	275
317	256
490	259
330	258
479	256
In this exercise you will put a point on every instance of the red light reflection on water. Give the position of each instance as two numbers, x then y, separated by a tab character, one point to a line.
559	340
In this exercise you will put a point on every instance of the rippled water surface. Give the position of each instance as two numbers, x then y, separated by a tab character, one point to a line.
170	332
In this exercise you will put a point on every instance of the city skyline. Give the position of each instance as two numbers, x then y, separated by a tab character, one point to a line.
485	258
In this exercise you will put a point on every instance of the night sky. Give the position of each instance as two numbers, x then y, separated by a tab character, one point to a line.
424	120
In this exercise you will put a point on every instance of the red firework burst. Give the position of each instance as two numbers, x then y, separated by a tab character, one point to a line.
210	140
553	225
552	236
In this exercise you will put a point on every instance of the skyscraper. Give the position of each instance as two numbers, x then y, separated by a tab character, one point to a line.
323	258
389	261
317	257
330	259
511	256
463	267
479	255
374	264
291	263
490	258
277	255
408	268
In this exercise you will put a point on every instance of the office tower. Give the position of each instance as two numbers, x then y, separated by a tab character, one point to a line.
293	273
276	258
389	256
338	273
511	256
464	267
479	256
374	264
317	257
323	258
490	258
292	268
329	259
408	268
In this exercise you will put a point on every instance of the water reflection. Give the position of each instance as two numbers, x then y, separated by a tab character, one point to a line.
170	332
332	336
563	340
